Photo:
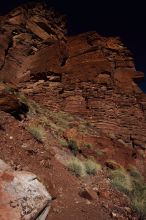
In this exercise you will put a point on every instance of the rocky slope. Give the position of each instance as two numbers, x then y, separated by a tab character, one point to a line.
73	88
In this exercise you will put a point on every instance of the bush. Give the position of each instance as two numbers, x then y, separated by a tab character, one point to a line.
33	107
139	204
77	167
91	167
89	146
138	194
135	174
72	144
38	133
99	153
63	142
121	180
83	168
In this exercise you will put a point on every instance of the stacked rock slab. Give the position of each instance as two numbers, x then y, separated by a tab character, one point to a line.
22	33
86	74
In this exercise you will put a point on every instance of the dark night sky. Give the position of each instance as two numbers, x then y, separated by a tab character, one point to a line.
108	18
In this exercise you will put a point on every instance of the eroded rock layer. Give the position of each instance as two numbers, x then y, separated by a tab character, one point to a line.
78	89
23	32
91	75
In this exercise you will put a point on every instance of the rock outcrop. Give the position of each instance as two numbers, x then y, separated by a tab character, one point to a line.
23	32
98	80
89	77
22	196
10	102
87	74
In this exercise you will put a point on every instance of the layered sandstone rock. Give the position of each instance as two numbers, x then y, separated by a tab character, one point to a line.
23	32
88	74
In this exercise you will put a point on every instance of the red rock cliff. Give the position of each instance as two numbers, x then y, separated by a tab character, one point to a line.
86	74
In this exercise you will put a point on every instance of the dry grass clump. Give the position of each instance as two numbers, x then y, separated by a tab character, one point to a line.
91	167
38	133
73	146
77	167
133	185
121	180
82	168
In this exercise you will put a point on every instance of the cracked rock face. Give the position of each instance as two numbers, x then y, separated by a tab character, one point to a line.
22	195
23	32
87	74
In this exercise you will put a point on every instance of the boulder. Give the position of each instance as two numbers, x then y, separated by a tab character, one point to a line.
89	194
22	196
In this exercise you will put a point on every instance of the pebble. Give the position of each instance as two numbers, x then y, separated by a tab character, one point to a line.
114	215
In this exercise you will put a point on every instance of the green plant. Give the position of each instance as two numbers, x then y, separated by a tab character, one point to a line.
121	180
88	145
132	184
138	194
91	167
8	88
113	165
53	126
60	118
38	133
134	173
32	105
84	127
72	144
77	167
99	152
63	142
139	204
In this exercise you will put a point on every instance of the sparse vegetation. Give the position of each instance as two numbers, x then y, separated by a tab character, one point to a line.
99	152
63	142
33	107
82	168
38	133
112	136
91	167
121	180
61	119
113	165
85	127
72	144
132	184
139	203
134	173
56	122
88	146
77	167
